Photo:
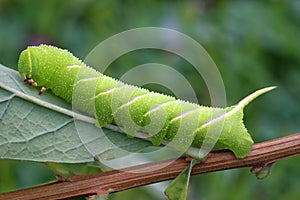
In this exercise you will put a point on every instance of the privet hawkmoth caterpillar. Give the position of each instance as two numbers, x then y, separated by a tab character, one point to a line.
131	107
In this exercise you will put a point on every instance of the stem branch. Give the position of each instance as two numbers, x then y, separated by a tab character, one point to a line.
261	155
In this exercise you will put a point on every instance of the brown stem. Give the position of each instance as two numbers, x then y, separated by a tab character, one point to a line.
261	155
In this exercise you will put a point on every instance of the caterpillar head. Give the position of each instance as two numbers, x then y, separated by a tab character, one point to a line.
29	62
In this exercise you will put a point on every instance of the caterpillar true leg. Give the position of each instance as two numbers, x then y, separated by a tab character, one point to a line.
43	89
31	82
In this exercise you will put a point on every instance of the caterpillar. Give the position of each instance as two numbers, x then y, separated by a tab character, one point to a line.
133	108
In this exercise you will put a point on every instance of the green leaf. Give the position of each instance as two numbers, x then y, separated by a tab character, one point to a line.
178	188
41	128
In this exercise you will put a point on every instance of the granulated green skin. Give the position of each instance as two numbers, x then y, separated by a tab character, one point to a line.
131	107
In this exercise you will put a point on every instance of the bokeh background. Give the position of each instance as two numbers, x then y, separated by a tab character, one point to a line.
254	44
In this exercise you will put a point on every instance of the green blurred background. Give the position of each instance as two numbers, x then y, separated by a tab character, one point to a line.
254	44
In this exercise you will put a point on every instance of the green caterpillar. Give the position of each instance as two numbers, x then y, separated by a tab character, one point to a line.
113	102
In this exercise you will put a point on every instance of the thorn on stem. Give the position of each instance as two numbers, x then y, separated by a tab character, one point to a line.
101	195
60	178
261	172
